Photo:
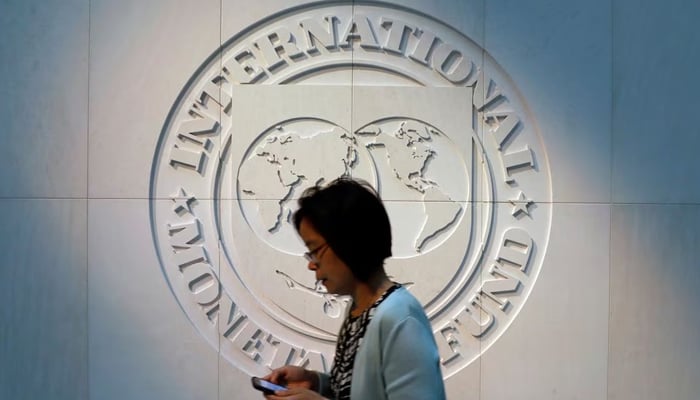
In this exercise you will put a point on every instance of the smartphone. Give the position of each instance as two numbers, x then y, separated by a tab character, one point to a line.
264	386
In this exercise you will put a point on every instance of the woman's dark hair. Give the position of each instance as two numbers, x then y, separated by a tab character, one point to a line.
351	218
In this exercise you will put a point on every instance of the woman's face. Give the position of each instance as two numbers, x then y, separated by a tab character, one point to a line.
329	269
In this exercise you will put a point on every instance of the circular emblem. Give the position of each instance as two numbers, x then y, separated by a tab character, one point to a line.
374	91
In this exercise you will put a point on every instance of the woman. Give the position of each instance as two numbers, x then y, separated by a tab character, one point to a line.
386	348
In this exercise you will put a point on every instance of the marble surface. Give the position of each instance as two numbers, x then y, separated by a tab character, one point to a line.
654	323
559	55
141	343
655	86
43	289
141	57
557	347
609	87
44	106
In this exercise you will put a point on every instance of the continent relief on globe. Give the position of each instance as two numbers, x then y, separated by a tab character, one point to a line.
409	154
286	162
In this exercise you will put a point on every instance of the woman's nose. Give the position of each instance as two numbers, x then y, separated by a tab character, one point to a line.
312	266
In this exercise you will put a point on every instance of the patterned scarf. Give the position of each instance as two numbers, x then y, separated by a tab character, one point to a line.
349	340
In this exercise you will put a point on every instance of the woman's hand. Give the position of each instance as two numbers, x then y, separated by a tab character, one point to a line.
294	378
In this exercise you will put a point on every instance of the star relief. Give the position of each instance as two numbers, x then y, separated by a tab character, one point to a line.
183	202
521	205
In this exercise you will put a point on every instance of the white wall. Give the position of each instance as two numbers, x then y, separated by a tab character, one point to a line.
609	88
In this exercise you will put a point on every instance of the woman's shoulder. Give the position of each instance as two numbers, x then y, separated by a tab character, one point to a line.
398	306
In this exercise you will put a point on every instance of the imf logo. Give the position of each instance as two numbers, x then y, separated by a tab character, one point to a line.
373	91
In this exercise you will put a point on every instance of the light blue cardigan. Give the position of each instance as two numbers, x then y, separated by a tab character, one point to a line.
398	357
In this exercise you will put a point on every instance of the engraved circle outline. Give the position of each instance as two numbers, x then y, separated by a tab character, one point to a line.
199	74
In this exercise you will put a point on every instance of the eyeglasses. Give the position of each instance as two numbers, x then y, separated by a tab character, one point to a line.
311	254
